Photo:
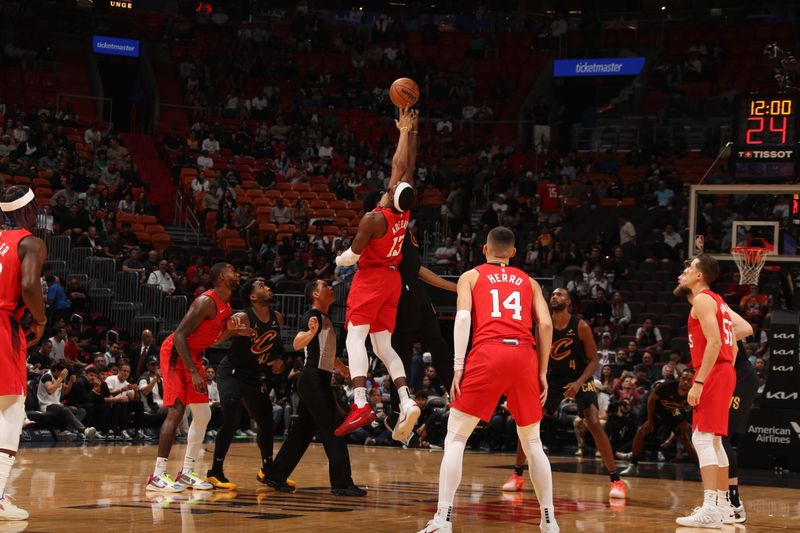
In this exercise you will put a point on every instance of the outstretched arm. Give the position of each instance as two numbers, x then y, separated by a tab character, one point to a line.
431	278
413	139
400	159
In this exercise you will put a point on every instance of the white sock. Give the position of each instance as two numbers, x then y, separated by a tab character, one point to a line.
6	462
188	464
404	394
360	396
709	498
161	466
722	498
548	514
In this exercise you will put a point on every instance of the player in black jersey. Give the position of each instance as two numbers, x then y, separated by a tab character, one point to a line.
742	401
573	362
317	412
244	377
667	407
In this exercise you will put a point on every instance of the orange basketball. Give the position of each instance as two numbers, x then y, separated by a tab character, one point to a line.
404	92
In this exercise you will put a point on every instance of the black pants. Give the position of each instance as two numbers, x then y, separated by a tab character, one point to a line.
121	413
317	414
417	322
235	394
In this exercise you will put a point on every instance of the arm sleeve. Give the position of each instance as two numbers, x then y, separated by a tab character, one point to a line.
461	337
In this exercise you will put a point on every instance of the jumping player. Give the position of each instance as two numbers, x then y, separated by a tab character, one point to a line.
244	376
744	394
667	406
501	303
573	362
184	377
711	342
374	294
21	258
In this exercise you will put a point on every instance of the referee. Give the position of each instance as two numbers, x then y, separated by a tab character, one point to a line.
317	412
244	375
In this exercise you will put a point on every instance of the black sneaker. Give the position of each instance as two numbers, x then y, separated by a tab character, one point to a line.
280	486
352	490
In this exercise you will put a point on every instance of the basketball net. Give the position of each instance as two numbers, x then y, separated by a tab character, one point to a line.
750	261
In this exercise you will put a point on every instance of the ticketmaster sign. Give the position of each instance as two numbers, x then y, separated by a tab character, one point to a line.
620	66
115	46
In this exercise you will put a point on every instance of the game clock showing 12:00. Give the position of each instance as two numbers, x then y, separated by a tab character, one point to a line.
764	137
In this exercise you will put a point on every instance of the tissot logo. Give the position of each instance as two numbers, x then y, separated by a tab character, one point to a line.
780	395
783	368
784	335
766	154
782	352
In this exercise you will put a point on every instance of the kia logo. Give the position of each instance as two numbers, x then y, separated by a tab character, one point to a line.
783	369
784	336
780	395
782	352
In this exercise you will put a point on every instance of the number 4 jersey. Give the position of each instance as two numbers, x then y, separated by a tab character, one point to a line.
697	340
502	305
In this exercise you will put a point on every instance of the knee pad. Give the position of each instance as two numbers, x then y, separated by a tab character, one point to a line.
460	425
719	449
382	343
704	446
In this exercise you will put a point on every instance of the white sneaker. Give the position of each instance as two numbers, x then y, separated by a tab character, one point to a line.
89	434
438	525
9	511
251	433
548	523
739	516
726	511
164	483
66	436
409	414
193	481
125	435
705	517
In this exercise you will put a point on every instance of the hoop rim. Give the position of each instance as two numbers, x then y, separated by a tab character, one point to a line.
759	252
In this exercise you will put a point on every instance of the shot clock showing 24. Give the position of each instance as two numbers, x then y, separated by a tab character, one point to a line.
765	145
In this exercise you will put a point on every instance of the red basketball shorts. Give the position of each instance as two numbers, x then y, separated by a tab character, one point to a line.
176	379
373	299
711	414
494	369
13	357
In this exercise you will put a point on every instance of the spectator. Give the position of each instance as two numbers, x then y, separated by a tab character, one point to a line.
54	384
301	215
664	196
549	198
57	302
541	126
162	278
672	238
648	337
754	306
139	355
627	236
204	161
41	359
58	343
599	281
200	183
599	306
648	364
123	402
280	214
151	389
210	145
92	136
620	315
134	263
578	287
112	355
91	239
605	353
446	254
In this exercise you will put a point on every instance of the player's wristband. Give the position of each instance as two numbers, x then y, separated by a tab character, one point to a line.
698	382
41	322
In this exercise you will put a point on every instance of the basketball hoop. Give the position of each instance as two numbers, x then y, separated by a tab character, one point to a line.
750	261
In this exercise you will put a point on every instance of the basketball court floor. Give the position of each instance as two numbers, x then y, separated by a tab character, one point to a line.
101	488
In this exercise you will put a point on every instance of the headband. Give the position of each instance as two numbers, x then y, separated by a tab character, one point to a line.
397	192
19	203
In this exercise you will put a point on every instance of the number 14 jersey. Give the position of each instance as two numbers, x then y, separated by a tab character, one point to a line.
697	340
502	305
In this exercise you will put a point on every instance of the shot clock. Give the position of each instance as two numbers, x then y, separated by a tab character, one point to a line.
765	142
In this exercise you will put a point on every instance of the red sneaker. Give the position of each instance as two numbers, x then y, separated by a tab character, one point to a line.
618	491
357	418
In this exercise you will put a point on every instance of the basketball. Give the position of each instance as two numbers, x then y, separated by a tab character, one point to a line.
404	92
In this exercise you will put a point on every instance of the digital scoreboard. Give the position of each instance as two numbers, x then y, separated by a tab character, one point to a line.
765	142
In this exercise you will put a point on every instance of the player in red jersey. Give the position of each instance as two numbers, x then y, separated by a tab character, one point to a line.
711	342
21	259
184	382
375	293
500	303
